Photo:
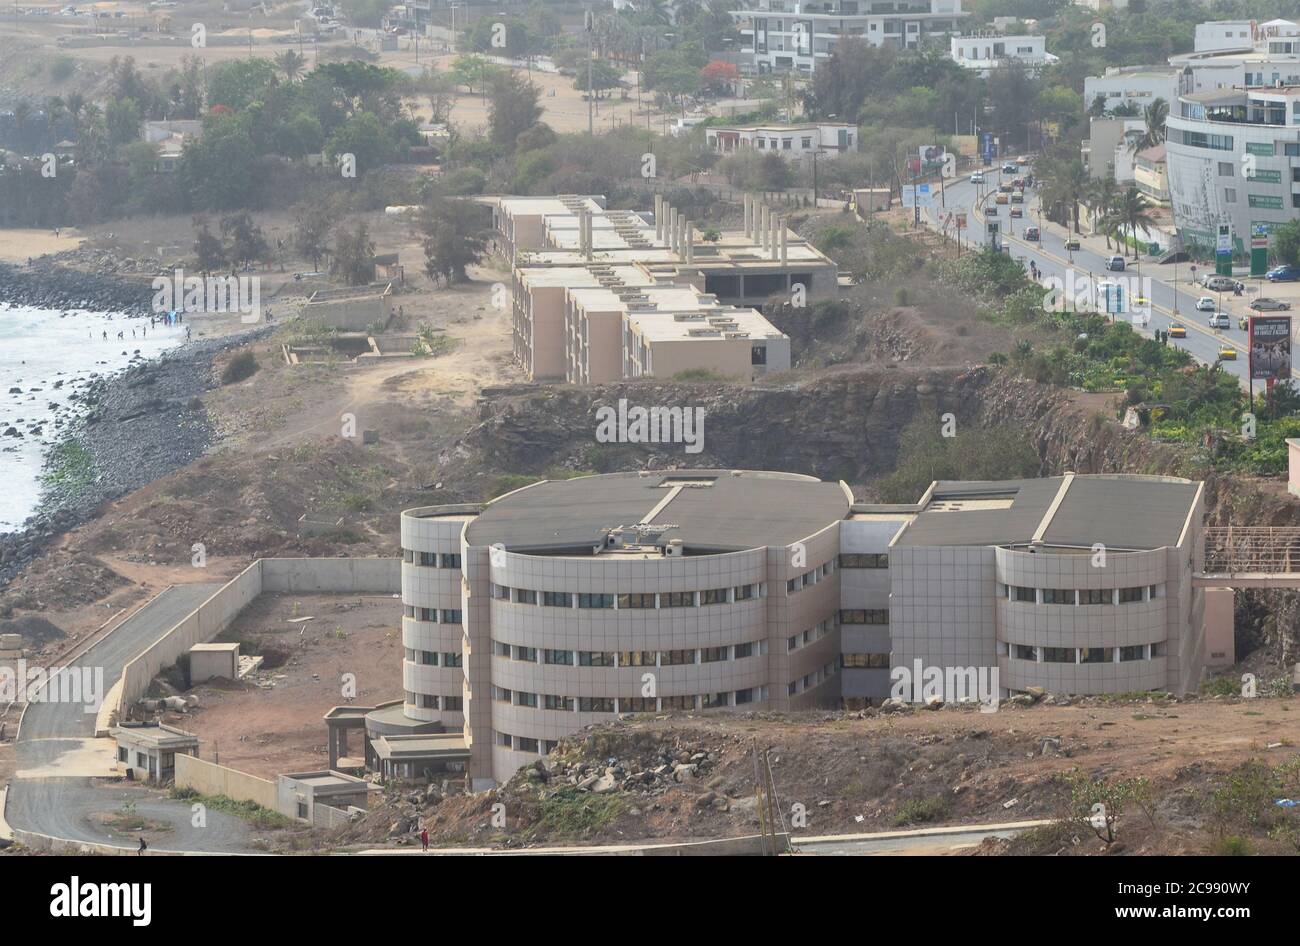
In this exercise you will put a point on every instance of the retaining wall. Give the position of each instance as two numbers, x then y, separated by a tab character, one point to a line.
333	575
208	778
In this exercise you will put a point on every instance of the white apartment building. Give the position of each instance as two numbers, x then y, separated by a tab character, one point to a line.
1234	157
983	52
1138	86
793	35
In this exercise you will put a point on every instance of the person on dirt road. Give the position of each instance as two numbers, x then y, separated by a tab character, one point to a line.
143	846
424	840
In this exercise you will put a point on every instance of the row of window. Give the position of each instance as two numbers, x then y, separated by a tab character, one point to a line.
629	658
433	615
628	704
807	637
1133	595
1087	655
629	602
800	582
431	658
864	560
451	704
865	661
810	680
432	559
864	616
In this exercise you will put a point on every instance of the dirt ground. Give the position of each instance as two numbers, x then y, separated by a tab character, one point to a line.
270	722
852	773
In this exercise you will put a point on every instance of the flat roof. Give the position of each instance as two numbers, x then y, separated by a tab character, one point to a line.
1118	511
737	510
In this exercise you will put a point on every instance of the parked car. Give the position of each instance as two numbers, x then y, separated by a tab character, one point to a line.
1031	234
1227	353
1206	304
1220	320
1115	264
1177	330
1072	245
1220	283
1265	304
1283	274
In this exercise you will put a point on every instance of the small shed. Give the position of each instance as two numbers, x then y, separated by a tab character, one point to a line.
213	660
147	751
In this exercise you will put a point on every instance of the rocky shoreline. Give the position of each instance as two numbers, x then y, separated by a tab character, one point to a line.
132	428
53	287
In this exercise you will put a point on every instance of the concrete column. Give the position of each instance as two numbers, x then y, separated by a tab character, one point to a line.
672	229
659	216
765	227
681	236
690	241
784	247
749	215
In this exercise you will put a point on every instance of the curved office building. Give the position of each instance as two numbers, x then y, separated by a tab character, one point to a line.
566	602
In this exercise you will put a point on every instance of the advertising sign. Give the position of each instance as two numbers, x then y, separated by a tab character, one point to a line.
1270	347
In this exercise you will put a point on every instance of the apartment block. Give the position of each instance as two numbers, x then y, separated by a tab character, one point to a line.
785	36
604	295
792	142
984	52
573	601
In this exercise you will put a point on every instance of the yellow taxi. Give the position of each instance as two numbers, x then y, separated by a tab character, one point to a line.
1227	353
1178	330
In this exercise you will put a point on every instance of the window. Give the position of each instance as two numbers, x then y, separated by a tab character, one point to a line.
709	655
635	601
564	703
678	702
428	658
595	601
501	650
449	560
637	658
714	596
525	699
744	650
1022	594
502	695
500	592
713	700
793	585
453	704
1130	595
556	599
428	702
451	659
677	599
744	696
1058	655
426	614
806	142
123	754
1095	596
1058	596
676	658
524	596
504	739
595	658
791	643
1135	652
595	704
865	661
1025	652
562	657
408	556
451	615
428	559
1230	195
637	704
745	592
1094	655
865	616
526	744
1158	649
525	653
867	560
792	688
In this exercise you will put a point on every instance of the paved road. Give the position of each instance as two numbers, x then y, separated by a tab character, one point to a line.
1072	268
927	842
66	807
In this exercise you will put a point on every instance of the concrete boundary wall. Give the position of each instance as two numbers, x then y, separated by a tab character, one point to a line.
208	778
304	575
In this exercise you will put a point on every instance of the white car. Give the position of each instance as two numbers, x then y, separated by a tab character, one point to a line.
977	177
1220	320
1205	304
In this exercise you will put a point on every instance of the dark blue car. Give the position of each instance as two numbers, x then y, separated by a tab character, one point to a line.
1283	274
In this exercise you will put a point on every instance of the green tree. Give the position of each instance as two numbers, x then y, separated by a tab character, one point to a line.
313	222
1286	242
244	240
239	83
209	254
513	108
453	238
1154	115
354	254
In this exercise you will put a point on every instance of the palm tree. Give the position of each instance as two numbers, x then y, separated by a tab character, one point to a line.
1065	183
1133	211
291	63
1103	197
1155	115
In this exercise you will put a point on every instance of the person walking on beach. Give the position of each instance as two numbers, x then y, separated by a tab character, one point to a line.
105	336
187	333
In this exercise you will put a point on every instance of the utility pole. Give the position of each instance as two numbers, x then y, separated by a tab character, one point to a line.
590	24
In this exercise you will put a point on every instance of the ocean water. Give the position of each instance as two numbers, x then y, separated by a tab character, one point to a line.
39	347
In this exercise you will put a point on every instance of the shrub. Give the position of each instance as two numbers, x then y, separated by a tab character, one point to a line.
242	366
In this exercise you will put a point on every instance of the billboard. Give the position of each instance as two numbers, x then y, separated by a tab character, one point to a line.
1270	347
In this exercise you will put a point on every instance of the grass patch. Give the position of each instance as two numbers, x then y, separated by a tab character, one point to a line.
69	465
922	810
569	812
253	813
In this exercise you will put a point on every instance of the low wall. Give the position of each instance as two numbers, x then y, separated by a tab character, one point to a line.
208	778
324	816
333	575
